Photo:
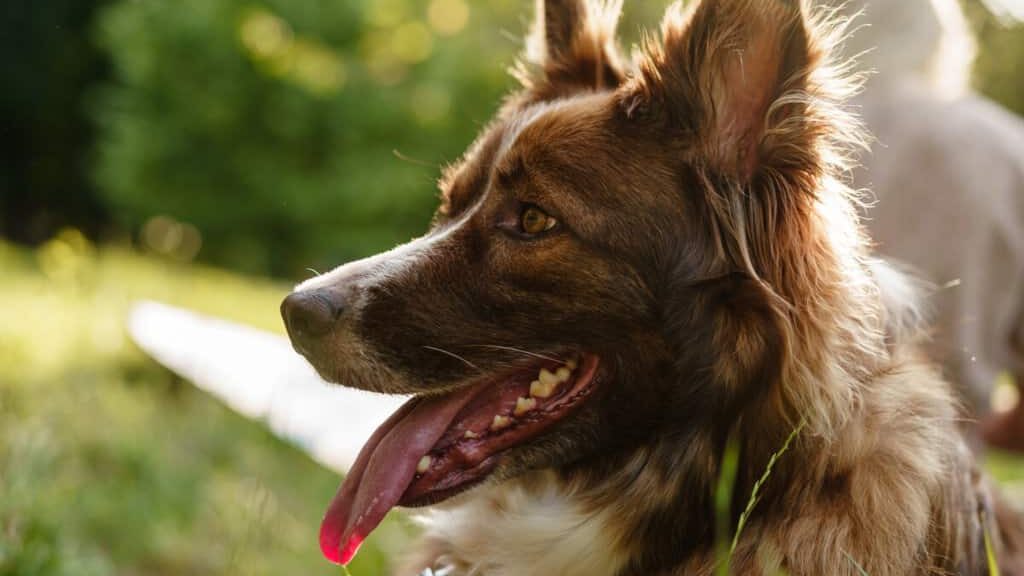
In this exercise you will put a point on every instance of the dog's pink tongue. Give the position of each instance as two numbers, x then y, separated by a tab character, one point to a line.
382	472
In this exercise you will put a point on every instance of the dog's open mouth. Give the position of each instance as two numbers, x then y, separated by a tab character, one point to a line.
432	448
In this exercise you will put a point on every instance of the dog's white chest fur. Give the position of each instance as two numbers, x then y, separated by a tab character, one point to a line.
514	529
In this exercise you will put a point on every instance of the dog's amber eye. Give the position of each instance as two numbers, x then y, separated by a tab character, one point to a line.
533	220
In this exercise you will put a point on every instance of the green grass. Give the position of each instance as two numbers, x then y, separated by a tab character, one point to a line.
755	493
110	465
990	554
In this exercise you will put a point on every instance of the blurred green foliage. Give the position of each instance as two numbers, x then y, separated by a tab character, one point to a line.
997	70
273	127
110	465
272	136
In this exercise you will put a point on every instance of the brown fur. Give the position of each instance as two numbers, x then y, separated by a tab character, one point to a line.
709	253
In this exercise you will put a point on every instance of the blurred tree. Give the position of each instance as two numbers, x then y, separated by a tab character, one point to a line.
47	64
999	68
272	127
266	129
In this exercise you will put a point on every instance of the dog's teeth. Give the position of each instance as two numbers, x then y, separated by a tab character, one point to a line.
571	364
539	389
470	434
563	374
546	377
423	464
500	422
524	405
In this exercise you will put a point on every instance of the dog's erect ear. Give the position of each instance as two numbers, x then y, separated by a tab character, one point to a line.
573	47
739	75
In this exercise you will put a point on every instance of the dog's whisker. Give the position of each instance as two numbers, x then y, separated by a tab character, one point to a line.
398	154
454	355
519	350
313	270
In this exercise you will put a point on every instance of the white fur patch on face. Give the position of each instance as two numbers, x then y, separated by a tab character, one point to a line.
391	265
526	527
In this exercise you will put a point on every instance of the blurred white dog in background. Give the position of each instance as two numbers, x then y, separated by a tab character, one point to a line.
947	169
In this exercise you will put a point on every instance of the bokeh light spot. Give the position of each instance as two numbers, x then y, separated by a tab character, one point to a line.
304	62
165	235
387	13
448	17
65	257
316	68
412	42
1005	394
263	33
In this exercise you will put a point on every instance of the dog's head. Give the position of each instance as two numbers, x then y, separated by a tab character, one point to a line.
608	263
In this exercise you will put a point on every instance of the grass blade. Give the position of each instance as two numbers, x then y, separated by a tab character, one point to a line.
723	497
755	493
860	569
990	555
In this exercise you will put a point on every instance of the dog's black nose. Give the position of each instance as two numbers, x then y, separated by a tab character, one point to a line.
309	313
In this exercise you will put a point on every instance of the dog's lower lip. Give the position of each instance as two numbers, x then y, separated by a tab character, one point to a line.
473	445
437	496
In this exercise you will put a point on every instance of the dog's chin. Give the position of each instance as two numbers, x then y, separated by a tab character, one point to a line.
348	362
438	446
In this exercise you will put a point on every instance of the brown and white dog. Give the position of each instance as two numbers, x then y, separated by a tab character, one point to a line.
632	265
